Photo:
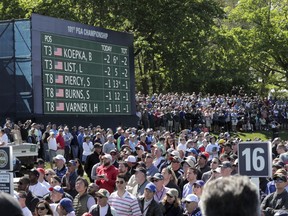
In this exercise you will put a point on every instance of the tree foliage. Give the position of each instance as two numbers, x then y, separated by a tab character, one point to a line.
188	45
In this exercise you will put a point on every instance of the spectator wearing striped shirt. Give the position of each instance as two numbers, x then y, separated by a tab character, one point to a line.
125	203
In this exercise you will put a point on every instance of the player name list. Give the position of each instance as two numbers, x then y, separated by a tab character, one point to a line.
84	77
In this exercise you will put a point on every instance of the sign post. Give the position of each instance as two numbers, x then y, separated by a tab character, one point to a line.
255	160
6	166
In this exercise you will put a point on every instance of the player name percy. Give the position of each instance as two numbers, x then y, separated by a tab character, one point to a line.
68	80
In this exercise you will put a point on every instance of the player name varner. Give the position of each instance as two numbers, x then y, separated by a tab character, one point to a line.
81	107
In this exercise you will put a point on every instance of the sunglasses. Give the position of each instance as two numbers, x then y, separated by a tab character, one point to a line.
100	197
187	202
278	181
174	161
119	182
41	208
155	180
214	162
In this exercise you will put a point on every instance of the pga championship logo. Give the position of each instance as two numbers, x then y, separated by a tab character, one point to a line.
3	158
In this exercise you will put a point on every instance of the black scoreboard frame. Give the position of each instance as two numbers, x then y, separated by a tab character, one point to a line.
43	24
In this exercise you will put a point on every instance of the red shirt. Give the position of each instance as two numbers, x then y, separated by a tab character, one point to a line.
60	140
111	172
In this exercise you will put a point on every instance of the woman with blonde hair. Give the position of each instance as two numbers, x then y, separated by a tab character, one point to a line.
170	180
171	205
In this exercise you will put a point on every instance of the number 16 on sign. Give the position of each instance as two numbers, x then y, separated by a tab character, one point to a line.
255	159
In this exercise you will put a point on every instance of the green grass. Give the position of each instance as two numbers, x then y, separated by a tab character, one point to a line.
263	135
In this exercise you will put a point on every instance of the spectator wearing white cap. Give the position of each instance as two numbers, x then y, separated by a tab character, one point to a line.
60	169
106	174
191	205
109	145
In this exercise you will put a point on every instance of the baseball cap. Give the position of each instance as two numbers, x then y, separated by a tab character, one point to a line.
97	145
35	172
221	141
175	153
176	159
226	164
73	162
41	170
170	150
205	155
191	198
109	135
150	186
108	156
157	176
190	157
66	203
173	192
131	159
103	192
40	161
192	150
113	151
60	157
57	188
189	162
140	147
280	176
199	183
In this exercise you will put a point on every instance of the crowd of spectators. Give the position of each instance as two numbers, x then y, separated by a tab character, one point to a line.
182	144
176	112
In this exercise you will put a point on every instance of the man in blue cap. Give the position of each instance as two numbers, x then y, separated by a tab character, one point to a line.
65	207
147	203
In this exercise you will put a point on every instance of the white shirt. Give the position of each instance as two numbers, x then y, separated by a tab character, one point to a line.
103	210
38	189
87	148
26	211
181	146
52	144
4	139
46	184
